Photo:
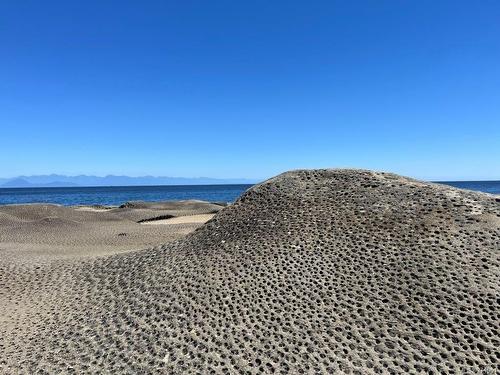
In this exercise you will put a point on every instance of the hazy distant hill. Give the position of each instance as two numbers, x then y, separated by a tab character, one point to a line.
54	180
22	182
17	182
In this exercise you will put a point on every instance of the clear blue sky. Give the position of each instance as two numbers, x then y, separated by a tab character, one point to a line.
250	88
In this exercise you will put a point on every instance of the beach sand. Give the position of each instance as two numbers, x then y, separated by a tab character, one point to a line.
45	232
192	219
316	272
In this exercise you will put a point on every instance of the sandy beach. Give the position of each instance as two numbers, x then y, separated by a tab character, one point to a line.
50	232
321	271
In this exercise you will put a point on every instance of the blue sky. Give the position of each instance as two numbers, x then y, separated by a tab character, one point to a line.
250	89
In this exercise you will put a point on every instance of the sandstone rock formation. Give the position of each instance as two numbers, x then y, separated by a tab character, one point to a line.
322	271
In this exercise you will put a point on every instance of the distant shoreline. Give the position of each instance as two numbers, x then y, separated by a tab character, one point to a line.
118	186
55	180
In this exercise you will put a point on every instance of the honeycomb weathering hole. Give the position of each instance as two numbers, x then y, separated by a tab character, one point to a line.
321	271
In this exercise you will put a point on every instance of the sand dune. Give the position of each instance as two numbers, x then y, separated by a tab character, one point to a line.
327	271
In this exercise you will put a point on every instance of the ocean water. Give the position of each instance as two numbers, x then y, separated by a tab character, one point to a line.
492	187
116	195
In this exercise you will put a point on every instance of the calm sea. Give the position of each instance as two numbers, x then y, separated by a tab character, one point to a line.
492	187
115	195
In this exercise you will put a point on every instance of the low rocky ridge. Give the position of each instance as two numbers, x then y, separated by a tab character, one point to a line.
149	211
322	271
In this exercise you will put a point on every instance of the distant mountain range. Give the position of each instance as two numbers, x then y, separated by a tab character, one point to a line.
55	180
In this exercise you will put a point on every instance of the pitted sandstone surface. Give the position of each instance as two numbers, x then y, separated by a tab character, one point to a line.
313	272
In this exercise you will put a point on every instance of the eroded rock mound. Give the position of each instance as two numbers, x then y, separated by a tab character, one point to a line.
327	271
